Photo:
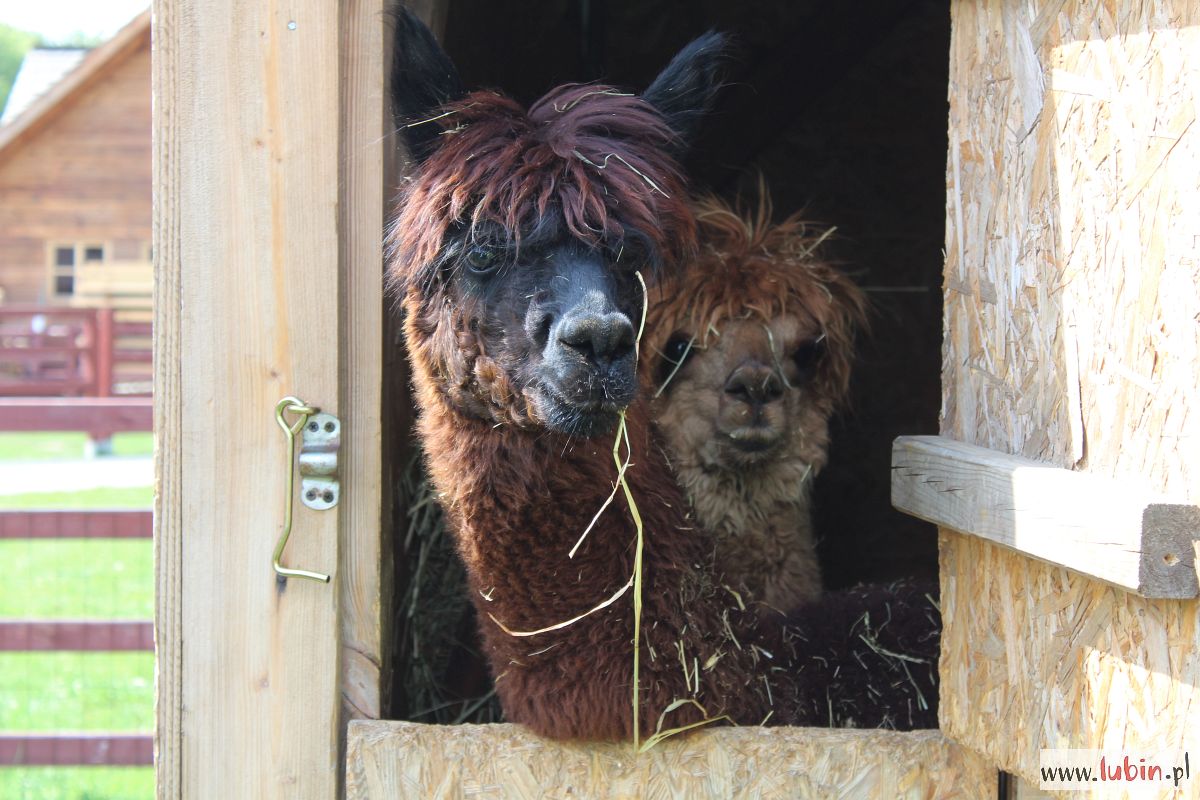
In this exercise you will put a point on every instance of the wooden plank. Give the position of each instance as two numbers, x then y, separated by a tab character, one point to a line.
111	414
389	760
75	635
76	749
1072	283
1108	529
249	173
100	524
168	62
363	560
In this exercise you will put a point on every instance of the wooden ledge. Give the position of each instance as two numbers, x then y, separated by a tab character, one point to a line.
1092	524
403	759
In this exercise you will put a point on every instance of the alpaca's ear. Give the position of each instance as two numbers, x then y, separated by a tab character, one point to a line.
684	91
423	80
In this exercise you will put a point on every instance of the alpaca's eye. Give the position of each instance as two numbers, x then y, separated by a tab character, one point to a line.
677	352
807	357
678	349
482	260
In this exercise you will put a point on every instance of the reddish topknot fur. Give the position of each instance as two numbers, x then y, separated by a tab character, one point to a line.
748	265
599	156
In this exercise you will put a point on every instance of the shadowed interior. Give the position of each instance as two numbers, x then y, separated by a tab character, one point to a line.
843	108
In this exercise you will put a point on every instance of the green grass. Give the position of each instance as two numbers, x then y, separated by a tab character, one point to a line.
48	446
77	578
77	783
76	691
81	578
103	497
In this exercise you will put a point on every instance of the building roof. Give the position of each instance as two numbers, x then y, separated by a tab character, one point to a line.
92	66
41	69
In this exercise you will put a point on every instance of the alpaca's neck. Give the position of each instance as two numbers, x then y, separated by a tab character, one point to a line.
517	504
762	520
519	501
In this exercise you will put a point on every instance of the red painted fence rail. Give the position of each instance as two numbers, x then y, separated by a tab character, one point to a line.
94	636
76	749
54	351
100	417
76	524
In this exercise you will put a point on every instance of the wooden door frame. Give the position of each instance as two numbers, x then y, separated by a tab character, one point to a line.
266	125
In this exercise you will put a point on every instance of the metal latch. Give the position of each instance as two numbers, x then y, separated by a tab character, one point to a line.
320	435
319	442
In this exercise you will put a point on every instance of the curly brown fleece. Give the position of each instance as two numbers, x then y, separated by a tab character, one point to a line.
518	496
757	291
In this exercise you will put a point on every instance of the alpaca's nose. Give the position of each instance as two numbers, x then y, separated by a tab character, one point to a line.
754	383
597	336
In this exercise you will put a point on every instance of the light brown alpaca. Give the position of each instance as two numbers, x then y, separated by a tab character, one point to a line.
754	344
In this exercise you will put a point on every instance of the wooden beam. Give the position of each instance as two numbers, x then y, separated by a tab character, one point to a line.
250	300
104	524
1092	524
362	558
76	749
402	759
169	32
75	635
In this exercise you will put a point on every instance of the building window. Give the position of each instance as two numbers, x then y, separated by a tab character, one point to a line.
65	258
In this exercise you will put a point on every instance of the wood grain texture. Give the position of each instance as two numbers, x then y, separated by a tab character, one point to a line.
362	556
390	760
1095	525
168	37
248	176
1072	281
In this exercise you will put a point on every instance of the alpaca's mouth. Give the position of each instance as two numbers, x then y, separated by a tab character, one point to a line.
754	439
583	417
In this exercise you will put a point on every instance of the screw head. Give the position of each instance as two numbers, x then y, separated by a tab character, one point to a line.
311	494
328	496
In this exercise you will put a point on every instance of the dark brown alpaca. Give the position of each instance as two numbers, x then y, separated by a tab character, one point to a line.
754	342
515	250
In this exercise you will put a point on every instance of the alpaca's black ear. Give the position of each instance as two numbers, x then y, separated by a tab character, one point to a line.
423	80
683	92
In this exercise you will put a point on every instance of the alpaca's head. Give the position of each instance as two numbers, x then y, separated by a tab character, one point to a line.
519	236
752	346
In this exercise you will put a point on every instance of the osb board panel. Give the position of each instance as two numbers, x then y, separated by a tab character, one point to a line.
389	760
1035	657
1072	275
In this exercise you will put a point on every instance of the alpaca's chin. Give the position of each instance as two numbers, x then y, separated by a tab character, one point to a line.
581	420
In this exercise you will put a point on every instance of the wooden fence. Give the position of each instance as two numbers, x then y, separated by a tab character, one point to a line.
48	351
76	749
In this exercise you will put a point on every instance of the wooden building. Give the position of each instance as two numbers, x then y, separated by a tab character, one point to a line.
75	179
1065	485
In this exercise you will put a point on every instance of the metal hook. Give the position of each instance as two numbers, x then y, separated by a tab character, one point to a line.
295	406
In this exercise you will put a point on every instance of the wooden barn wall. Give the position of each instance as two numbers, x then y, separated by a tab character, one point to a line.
1071	290
85	177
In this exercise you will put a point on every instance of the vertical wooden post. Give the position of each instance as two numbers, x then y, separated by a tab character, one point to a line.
365	126
103	352
268	128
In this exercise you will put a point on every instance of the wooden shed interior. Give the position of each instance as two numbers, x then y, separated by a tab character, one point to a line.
842	109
